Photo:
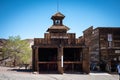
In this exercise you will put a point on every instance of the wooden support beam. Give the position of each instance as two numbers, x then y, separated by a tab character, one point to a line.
86	66
60	63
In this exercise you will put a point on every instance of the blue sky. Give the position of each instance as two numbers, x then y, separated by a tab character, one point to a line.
31	18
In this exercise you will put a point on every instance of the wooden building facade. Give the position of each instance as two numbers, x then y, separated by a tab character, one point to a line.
104	47
60	51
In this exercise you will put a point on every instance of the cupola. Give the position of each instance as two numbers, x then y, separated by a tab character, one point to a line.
58	26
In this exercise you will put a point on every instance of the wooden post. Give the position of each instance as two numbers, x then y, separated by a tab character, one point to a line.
36	59
37	55
33	59
86	65
60	60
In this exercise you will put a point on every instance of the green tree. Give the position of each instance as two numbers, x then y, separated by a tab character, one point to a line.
17	50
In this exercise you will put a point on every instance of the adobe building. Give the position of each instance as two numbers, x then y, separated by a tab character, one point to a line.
104	47
60	51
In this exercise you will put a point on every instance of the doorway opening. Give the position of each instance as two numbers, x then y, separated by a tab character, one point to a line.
72	59
47	59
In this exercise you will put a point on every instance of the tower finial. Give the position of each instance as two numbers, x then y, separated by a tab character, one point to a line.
57	5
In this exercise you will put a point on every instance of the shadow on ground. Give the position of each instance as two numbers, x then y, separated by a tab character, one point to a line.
21	70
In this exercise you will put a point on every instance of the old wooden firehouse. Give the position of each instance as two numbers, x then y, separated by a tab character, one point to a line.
60	51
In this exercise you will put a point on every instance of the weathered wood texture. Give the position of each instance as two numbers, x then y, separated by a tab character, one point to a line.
104	45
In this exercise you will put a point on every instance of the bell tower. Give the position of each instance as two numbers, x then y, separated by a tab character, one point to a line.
58	26
57	19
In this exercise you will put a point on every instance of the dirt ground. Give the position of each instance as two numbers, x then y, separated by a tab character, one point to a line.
7	73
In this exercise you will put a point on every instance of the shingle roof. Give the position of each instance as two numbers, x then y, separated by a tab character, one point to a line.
59	14
58	28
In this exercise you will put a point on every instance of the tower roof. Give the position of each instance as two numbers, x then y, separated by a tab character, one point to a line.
58	28
57	15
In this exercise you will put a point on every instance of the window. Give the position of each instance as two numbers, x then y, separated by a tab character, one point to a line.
57	22
117	51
